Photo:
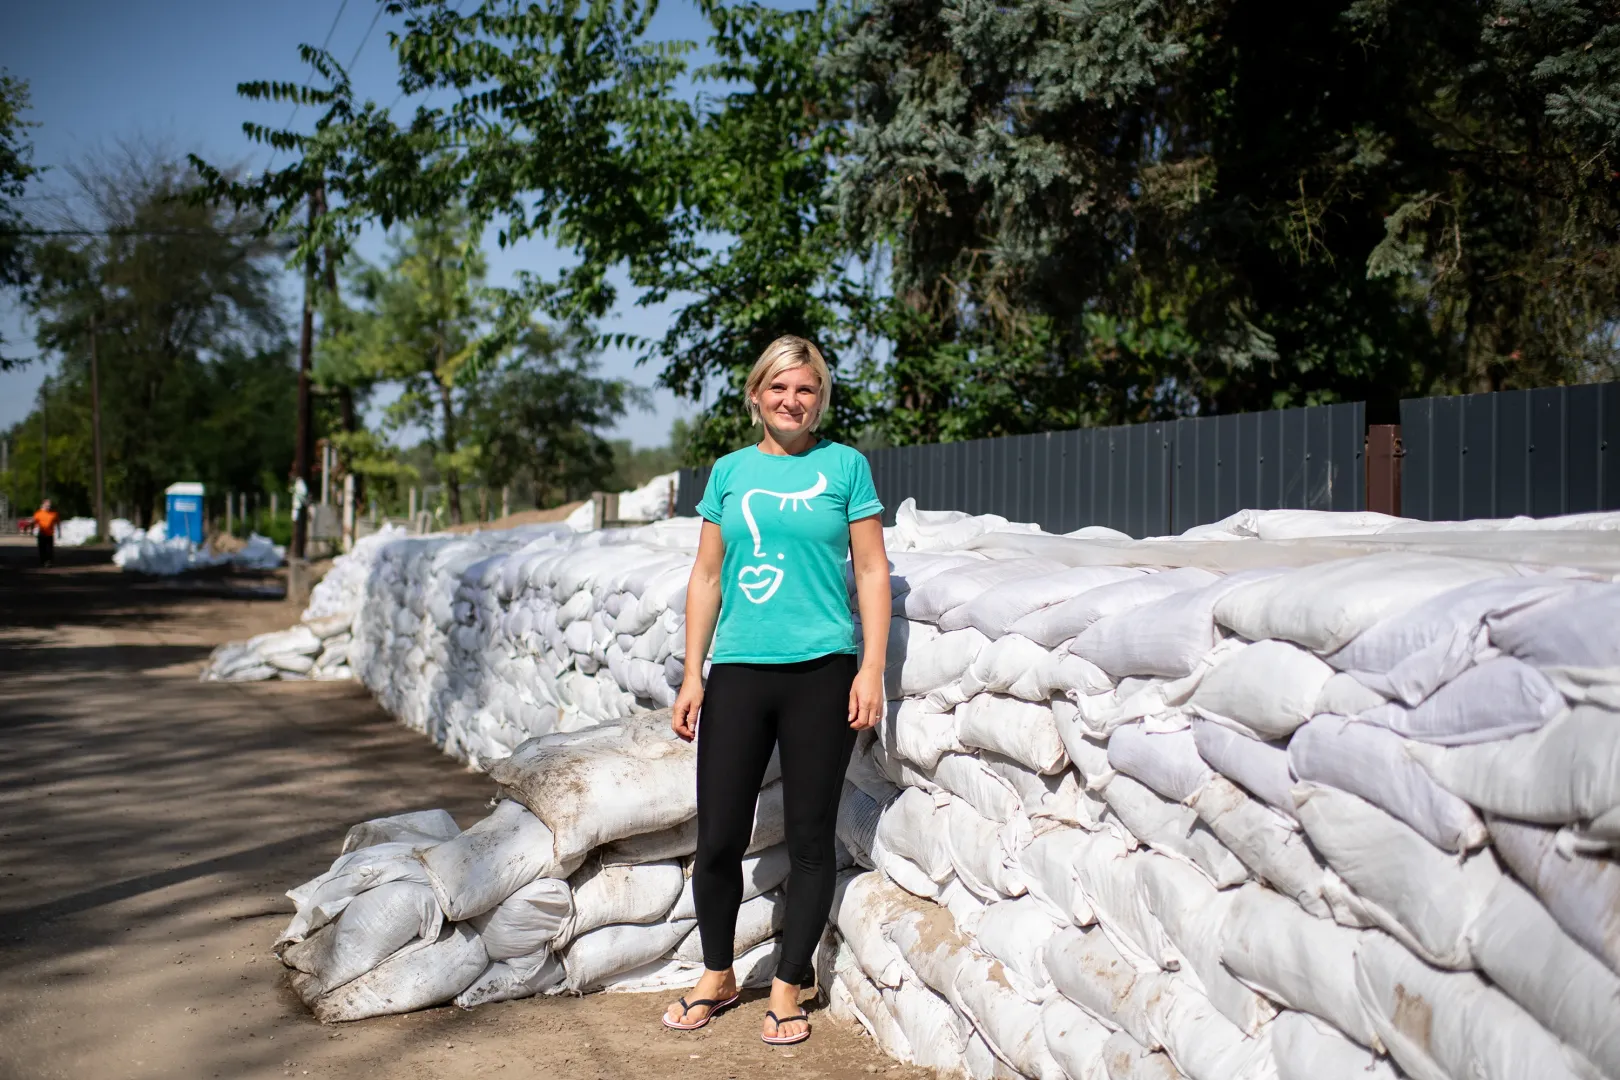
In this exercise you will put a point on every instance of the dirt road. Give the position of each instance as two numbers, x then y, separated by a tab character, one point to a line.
149	825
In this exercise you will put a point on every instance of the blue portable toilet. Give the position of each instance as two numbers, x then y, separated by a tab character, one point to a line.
183	506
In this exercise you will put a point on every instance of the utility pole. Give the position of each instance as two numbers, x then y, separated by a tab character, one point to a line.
304	443
44	440
95	433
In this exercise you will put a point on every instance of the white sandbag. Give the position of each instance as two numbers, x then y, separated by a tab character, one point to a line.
971	780
1409	656
594	958
411	980
1168	637
1087	969
1047	866
936	1033
984	853
1267	689
1581	893
1298	961
1440	1025
1017	666
1344	695
1323	606
1204	1044
1009	1023
1168	762
1567	771
903	872
862	906
490	861
1016	932
1264	842
856	823
376	925
965	908
1411	888
1193	916
761	872
1075	1039
1498	699
1124	1058
1260	767
590	794
1579	628
604	895
1173	829
930	664
865	774
422	827
930	600
526	922
758	920
519	977
1307	1049
921	737
996	610
1061	797
1106	871
1022	730
865	1002
323	898
909	828
929	944
1372	762
1533	961
1052	625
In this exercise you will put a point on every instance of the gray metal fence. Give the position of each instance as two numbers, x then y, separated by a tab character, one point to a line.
1532	452
1143	479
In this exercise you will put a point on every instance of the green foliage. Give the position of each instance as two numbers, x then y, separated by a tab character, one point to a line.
16	169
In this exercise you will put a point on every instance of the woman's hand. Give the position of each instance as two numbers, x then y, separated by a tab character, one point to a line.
683	718
866	699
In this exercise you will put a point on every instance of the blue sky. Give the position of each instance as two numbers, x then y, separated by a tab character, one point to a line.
101	70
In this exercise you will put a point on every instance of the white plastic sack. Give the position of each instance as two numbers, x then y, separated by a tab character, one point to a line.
1267	689
597	957
411	980
862	907
909	828
490	861
995	611
1173	829
1168	637
1498	699
1074	1038
520	977
919	736
1168	762
1343	695
422	827
376	925
984	853
1307	1049
1264	842
1022	730
526	922
604	895
1107	873
975	783
1580	628
1087	969
1203	1043
1016	932
932	663
1260	767
1047	866
1124	1058
1582	894
1009	1022
1062	621
1372	762
957	586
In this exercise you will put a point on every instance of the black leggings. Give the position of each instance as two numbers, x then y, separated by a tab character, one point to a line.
747	710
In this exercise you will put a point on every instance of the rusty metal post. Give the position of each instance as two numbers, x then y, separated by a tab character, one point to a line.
1383	459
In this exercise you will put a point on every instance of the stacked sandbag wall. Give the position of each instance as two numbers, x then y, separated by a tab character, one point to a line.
1350	817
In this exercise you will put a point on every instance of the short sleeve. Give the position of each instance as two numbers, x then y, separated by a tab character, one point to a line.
863	500
714	494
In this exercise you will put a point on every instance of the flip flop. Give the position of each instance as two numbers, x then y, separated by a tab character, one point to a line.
713	1006
791	1039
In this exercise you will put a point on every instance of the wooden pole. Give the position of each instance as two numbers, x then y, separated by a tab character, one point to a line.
304	442
95	434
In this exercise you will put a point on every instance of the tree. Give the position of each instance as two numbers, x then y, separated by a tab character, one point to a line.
181	297
16	169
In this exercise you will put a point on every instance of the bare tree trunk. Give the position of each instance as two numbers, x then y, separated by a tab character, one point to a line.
452	478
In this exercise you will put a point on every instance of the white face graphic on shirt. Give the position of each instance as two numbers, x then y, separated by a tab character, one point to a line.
760	581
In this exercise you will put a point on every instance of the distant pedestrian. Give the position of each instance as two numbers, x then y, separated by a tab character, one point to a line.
45	520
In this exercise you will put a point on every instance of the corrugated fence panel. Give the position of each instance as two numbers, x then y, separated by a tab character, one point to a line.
1538	453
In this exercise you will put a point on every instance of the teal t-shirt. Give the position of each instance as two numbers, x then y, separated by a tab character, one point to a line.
785	522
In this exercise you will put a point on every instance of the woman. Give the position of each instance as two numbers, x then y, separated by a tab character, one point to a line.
780	518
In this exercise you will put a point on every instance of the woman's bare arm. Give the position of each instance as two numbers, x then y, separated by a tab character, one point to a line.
702	612
871	562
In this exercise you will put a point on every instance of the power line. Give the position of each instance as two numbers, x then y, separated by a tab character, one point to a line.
310	81
366	37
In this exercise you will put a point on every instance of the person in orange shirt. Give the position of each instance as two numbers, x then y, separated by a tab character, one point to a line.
45	520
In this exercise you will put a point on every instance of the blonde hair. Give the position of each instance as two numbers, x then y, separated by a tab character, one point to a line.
783	354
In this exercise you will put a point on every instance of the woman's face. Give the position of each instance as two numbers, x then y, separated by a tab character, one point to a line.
788	402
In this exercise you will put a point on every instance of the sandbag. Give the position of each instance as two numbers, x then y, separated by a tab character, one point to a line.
1022	730
1204	1044
995	611
376	925
1440	1025
1053	625
1498	699
411	980
595	958
1087	969
1343	695
1106	871
421	827
1267	689
604	895
926	939
1582	894
1168	637
864	1003
1298	961
1193	916
1168	762
984	853
959	585
1173	829
1124	1058
1307	1049
1020	668
1533	961
761	872
526	922
490	861
975	783
856	823
1323	606
1409	887
1009	1022
1261	768
936	1033
1048	870
921	737
1074	1038
1576	628
519	977
932	663
862	906
1567	771
1016	932
1263	841
322	899
909	829
1371	761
